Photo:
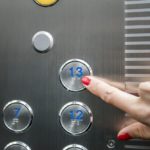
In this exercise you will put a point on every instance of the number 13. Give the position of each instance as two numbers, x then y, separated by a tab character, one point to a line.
76	72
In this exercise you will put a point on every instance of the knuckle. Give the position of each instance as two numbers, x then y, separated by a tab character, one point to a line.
144	115
109	95
141	85
144	86
140	110
140	131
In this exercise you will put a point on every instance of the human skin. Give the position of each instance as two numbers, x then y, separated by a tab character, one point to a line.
136	106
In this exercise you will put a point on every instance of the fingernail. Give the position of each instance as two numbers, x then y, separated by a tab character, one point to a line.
86	81
124	137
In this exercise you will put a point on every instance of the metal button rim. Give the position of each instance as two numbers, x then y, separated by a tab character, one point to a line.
17	143
30	111
80	104
75	146
40	4
49	35
74	60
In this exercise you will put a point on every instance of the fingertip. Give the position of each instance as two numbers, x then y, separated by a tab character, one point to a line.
86	80
144	86
124	136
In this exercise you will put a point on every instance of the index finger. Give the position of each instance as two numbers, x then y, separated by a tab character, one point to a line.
112	95
122	86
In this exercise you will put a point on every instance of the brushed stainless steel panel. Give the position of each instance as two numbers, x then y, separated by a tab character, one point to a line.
89	30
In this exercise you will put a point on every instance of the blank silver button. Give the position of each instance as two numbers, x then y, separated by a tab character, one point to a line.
74	147
76	117
71	73
42	41
17	116
17	145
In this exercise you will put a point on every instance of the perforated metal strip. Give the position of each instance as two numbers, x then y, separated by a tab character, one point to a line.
137	41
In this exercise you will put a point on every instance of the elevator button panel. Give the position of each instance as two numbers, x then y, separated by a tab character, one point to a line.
46	48
46	2
74	147
42	41
17	116
76	118
17	145
71	73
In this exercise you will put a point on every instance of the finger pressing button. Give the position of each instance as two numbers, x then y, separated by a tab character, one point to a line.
71	73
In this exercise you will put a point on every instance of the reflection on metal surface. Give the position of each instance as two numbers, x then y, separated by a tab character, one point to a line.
17	145
137	75
137	51
137	10
138	43
137	18
74	147
138	35
129	27
137	67
137	2
137	147
137	59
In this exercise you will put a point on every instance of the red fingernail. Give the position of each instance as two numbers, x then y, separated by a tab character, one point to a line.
124	137
86	81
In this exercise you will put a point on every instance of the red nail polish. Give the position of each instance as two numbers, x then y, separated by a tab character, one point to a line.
124	137
86	81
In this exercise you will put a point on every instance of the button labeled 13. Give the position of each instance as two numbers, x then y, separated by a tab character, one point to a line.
71	73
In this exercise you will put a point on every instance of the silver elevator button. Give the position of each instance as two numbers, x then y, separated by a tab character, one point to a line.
71	73
74	147
17	116
76	117
17	145
43	41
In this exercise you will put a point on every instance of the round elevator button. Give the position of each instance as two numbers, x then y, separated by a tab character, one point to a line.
71	73
17	116
42	41
74	147
45	2
17	145
76	117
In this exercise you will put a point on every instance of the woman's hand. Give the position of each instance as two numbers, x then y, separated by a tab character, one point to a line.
138	107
